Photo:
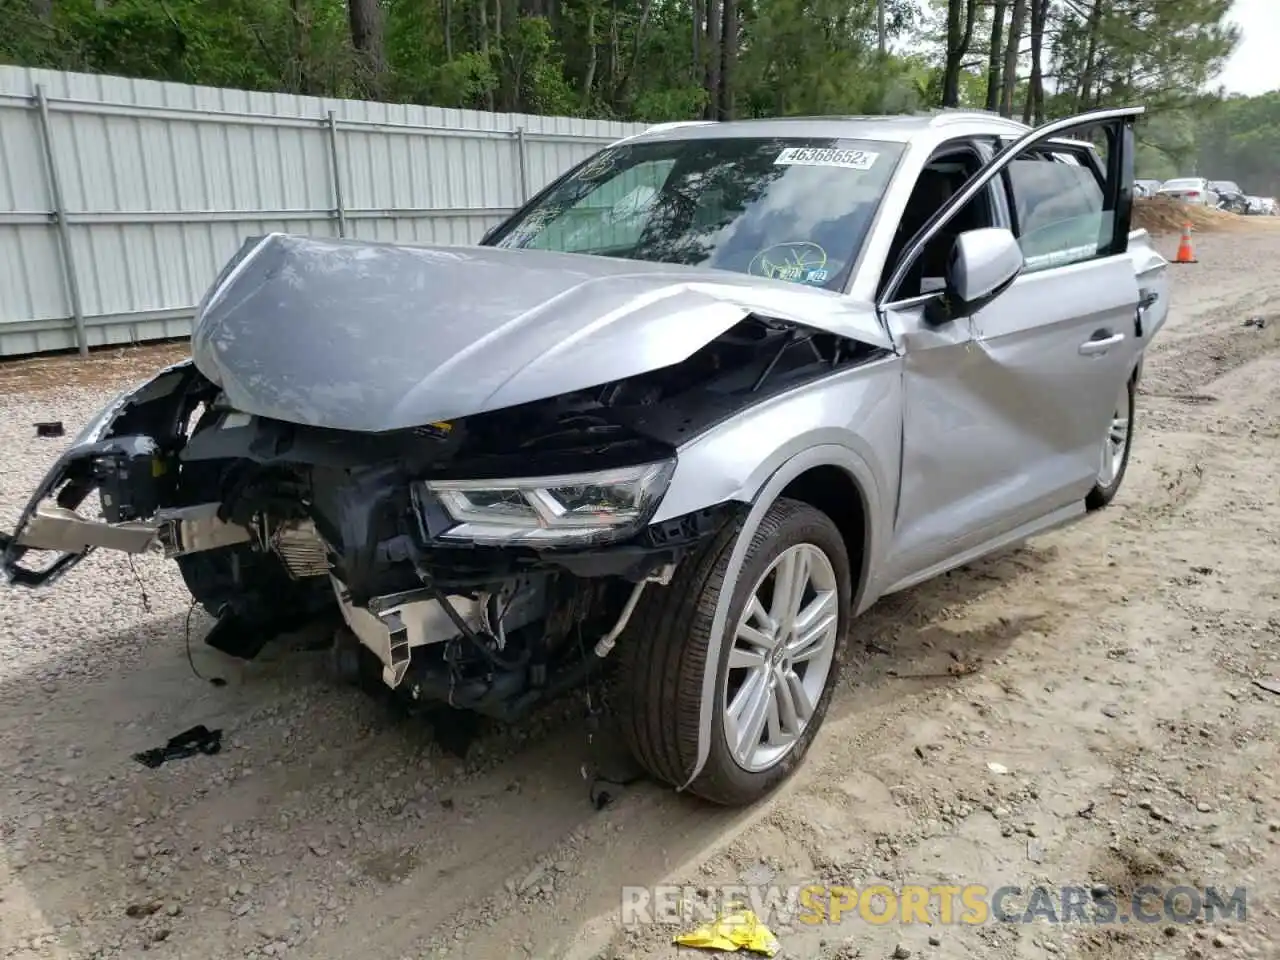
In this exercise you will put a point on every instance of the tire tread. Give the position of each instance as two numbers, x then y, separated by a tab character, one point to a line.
664	657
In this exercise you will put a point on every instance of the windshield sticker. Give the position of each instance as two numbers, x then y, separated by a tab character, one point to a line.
798	261
530	229
599	165
822	157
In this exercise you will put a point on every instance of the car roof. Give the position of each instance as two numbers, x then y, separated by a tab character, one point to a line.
935	126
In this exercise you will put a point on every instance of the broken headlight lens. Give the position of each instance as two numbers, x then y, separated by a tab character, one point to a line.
575	508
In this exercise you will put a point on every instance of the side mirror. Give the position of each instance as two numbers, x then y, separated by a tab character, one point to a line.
983	264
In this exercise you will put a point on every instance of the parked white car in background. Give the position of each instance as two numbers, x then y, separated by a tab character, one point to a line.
1190	190
1263	207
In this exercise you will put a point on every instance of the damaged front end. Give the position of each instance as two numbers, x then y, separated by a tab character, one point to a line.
127	453
488	562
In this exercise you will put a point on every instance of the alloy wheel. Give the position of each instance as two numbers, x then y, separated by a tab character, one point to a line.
783	648
1116	441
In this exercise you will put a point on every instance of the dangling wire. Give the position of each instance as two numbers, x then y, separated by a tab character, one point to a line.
216	681
142	587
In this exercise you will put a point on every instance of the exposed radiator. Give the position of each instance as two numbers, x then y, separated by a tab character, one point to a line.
299	545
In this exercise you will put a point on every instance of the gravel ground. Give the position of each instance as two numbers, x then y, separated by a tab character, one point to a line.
1109	680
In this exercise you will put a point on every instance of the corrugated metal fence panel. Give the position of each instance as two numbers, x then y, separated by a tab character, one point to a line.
161	182
31	284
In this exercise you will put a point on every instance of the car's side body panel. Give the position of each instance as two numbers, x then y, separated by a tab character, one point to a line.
982	397
997	431
1152	273
1062	343
1003	408
857	409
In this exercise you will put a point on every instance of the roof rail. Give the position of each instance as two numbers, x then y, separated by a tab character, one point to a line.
947	114
658	127
672	124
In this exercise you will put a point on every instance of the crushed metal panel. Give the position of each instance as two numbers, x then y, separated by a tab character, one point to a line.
376	337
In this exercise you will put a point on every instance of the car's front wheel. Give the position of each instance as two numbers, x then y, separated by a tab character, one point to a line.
1114	455
776	667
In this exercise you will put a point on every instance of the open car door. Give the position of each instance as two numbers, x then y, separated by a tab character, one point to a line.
1008	396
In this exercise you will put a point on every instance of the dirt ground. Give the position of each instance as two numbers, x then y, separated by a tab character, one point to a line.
1113	691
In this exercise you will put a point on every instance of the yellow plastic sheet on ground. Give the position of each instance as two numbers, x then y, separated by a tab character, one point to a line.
739	930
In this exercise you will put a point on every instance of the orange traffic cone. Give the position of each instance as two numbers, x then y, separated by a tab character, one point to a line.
1185	254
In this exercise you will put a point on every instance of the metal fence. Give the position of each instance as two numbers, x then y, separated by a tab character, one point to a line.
121	199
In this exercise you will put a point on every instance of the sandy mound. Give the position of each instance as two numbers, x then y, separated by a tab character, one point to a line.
1162	215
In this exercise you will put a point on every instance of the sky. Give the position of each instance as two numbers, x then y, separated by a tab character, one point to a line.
1253	68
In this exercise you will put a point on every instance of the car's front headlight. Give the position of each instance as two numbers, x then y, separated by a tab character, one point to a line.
548	511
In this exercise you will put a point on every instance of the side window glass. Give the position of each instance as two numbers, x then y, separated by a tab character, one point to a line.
1058	210
612	215
942	177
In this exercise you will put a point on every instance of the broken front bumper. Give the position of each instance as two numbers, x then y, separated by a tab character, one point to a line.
131	428
171	532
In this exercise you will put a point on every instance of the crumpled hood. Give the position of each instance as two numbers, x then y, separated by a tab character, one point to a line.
372	337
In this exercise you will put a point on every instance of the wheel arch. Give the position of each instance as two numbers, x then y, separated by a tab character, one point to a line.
834	490
804	477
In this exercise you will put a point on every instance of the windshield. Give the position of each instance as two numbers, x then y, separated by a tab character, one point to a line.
791	209
1182	185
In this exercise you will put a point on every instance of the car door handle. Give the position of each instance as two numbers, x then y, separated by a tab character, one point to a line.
1093	347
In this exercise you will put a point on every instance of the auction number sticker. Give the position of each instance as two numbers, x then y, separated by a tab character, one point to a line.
825	157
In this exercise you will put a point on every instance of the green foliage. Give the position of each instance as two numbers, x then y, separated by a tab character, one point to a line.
629	59
1240	140
465	81
536	66
670	103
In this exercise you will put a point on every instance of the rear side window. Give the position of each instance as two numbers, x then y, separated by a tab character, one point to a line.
1058	210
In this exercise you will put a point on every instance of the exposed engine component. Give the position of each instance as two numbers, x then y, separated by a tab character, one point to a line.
270	520
392	626
297	543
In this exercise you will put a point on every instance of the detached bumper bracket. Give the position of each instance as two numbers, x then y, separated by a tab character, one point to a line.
46	526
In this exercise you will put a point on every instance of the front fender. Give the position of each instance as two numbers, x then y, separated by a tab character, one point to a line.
851	421
859	408
138	422
820	456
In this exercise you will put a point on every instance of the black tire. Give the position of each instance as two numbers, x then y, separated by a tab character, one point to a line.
1102	495
664	650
